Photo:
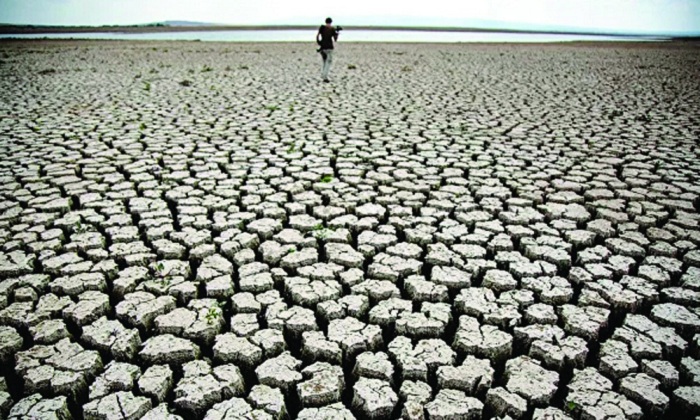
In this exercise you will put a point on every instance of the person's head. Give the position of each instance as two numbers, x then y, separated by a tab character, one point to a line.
329	21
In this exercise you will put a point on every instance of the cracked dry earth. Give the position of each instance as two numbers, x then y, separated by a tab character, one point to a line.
197	230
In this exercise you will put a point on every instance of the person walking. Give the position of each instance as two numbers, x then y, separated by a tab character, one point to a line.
326	37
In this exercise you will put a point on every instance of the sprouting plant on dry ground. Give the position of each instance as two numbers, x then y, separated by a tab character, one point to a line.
159	269
81	228
159	276
214	312
321	232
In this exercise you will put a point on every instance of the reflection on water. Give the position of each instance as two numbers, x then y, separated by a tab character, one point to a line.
346	36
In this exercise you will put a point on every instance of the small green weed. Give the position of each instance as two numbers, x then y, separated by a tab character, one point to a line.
352	67
272	108
321	232
186	83
160	269
207	69
214	312
326	178
160	276
147	86
81	228
571	405
164	282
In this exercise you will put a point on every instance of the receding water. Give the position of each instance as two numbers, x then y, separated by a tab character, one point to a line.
346	36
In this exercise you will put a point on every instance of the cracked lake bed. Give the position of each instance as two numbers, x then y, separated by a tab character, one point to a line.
468	231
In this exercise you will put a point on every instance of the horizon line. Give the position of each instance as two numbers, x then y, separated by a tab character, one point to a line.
164	26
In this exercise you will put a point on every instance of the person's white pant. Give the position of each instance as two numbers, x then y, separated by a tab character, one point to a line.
327	61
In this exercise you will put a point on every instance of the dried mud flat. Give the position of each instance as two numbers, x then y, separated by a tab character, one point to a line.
200	230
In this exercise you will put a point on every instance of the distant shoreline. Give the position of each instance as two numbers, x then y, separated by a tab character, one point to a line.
32	29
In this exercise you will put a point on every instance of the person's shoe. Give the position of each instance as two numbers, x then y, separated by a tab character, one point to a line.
326	81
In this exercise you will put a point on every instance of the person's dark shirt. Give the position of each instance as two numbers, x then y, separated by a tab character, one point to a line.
327	37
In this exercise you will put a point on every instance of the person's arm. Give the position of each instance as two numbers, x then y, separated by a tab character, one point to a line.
335	35
318	36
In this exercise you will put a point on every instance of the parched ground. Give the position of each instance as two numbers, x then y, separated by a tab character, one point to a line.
204	230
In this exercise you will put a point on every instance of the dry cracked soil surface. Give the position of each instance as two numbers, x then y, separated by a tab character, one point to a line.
195	230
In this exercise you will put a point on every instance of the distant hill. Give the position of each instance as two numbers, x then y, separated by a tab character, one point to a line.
187	23
169	24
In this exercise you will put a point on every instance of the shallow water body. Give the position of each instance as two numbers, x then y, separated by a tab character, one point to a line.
346	36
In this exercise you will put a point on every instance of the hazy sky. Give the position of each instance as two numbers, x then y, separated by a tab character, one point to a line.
647	16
